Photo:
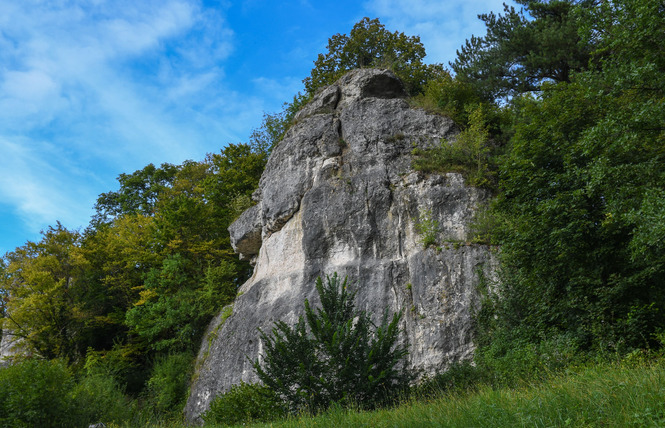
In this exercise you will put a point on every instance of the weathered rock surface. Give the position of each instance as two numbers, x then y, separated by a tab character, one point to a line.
10	347
339	195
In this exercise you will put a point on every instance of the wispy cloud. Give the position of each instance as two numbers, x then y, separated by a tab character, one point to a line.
32	182
89	89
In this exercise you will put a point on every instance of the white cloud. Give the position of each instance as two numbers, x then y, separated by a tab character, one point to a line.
32	85
89	89
34	185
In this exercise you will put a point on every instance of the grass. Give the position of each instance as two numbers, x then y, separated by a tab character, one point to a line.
626	394
605	395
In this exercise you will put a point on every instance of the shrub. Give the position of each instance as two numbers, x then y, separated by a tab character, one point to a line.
245	403
122	363
35	393
468	154
99	398
483	225
168	383
334	355
427	228
448	96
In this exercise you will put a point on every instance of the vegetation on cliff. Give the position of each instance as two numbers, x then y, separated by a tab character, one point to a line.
562	111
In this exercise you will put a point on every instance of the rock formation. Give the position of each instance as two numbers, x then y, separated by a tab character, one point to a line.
10	347
339	195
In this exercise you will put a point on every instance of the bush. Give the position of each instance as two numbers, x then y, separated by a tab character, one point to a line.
99	398
427	227
334	355
245	403
35	393
448	96
123	363
469	153
168	383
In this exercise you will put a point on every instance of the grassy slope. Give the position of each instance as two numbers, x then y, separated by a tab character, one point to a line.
626	395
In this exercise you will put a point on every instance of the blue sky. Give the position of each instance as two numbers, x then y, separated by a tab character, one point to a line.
90	89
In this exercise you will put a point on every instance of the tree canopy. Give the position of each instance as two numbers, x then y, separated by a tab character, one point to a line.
540	42
369	44
582	191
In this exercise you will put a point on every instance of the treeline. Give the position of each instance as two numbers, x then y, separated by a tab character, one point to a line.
561	107
580	207
136	288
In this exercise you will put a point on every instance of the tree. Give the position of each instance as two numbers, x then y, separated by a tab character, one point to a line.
175	306
198	272
334	354
43	285
274	126
582	191
520	51
369	44
138	193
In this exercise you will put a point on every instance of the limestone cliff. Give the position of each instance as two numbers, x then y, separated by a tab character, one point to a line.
10	347
339	195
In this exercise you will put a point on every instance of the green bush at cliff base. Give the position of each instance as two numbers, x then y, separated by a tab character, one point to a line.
168	384
244	403
334	354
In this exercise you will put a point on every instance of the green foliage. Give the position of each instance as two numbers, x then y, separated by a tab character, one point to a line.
138	193
469	153
582	195
45	294
369	44
36	393
448	96
40	393
124	363
428	228
99	398
342	359
524	48
243	404
169	381
173	312
483	225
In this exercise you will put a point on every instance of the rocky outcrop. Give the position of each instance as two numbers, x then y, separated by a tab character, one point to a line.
10	347
339	195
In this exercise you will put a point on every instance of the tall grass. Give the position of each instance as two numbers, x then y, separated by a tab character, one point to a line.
607	395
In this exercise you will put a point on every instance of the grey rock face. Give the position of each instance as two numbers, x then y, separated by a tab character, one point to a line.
339	195
10	347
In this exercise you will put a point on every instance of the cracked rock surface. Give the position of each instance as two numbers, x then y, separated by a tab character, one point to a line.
339	195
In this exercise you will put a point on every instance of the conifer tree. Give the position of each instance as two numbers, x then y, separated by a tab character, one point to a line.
334	354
